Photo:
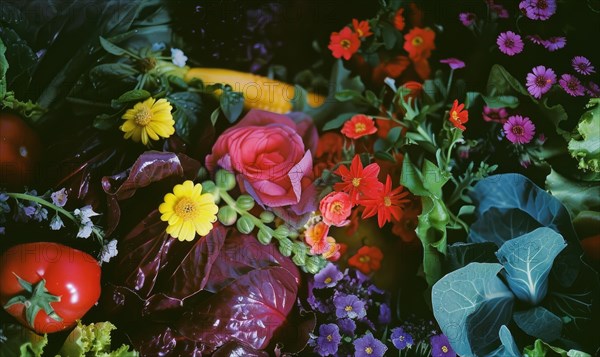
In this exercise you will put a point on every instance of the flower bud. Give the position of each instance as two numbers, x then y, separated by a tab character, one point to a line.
245	202
299	259
313	264
281	232
245	225
227	215
299	248
264	236
285	247
225	180
267	216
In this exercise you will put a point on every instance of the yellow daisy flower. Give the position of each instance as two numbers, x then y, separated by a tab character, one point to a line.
148	119
188	211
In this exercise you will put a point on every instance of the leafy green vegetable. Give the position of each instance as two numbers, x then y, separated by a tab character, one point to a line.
528	260
542	349
508	347
93	339
475	290
20	341
539	322
586	147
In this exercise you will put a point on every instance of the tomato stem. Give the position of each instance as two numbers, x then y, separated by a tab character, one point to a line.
38	299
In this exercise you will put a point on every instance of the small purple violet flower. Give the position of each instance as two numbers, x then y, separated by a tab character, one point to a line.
571	85
347	326
369	346
401	339
538	9
554	43
519	130
440	346
510	43
540	80
454	63
328	340
582	65
498	115
349	306
467	18
385	314
328	277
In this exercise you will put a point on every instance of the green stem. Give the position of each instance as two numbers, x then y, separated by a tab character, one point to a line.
231	203
43	202
449	82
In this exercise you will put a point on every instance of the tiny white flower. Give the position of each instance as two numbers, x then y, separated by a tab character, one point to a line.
56	223
391	83
85	213
85	230
109	251
178	57
59	197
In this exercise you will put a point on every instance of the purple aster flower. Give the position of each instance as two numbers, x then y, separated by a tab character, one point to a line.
347	326
593	90
538	9
401	339
510	43
519	130
368	346
540	81
571	85
24	213
535	39
349	306
385	314
328	340
497	115
440	346
555	43
454	63
328	277
500	11
582	65
467	18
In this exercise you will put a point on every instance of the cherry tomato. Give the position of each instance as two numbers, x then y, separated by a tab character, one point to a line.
19	151
48	286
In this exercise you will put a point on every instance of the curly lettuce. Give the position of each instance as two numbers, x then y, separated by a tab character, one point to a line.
93	339
585	147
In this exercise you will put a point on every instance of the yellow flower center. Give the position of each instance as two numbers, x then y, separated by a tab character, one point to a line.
444	349
387	201
359	32
186	208
356	181
329	338
337	207
401	338
417	41
360	127
455	116
143	116
328	280
345	43
369	350
364	259
348	308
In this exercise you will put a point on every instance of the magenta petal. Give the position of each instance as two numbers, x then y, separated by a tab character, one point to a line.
301	169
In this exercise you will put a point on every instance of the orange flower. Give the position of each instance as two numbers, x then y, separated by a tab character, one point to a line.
386	204
334	252
316	237
361	28
399	20
418	43
392	68
422	68
357	180
344	43
367	259
458	116
359	126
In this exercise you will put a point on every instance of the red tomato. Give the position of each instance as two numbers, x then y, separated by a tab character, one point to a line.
19	151
48	286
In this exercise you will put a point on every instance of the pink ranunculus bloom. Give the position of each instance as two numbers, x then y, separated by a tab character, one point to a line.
336	208
267	154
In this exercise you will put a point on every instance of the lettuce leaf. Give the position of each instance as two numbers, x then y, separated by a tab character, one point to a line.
93	338
16	340
586	147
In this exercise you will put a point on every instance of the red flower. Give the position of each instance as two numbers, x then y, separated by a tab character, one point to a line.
399	20
344	43
358	180
422	68
329	152
359	126
361	28
392	68
316	237
387	203
336	208
407	224
419	43
458	116
367	259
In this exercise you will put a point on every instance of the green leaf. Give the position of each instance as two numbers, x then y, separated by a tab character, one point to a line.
3	69
93	339
385	156
500	82
214	116
501	101
338	121
232	104
586	147
119	70
472	291
111	47
388	33
105	121
134	95
577	196
21	58
539	322
470	99
347	95
21	341
187	107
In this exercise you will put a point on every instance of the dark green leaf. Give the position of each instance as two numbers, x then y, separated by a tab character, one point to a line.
20	58
111	47
187	107
338	121
232	104
461	254
539	322
394	134
389	35
385	156
3	69
372	98
105	121
119	70
134	95
178	82
347	94
214	116
501	101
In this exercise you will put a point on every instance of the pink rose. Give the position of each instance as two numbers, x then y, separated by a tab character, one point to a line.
267	153
336	208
